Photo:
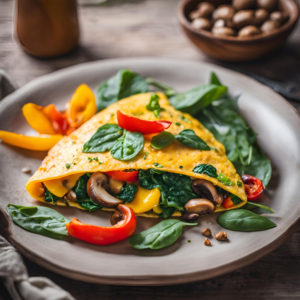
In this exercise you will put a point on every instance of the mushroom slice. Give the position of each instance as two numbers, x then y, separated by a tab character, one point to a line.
97	187
207	190
115	185
117	216
199	206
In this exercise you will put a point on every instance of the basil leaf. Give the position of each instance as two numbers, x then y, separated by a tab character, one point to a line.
224	179
197	98
49	197
38	219
104	139
127	193
253	205
128	145
153	105
235	199
124	84
162	140
188	138
244	220
162	235
206	169
82	197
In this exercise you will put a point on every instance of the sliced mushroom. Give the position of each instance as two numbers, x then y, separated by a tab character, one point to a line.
190	217
207	190
115	185
117	216
71	195
199	206
97	187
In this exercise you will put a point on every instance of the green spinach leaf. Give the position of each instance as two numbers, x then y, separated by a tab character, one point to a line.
38	219
244	220
162	235
188	138
162	140
154	106
253	205
168	91
208	170
104	139
197	98
49	197
224	179
127	193
128	146
214	79
235	199
82	197
124	84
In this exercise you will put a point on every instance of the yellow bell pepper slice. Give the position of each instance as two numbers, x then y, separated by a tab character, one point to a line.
37	119
40	143
144	200
81	107
59	187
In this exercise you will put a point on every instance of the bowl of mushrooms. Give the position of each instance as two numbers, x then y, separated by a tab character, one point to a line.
238	30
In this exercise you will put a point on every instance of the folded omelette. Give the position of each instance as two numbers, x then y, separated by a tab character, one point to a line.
170	180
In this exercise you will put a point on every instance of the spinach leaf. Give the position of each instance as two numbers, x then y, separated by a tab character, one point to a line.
214	79
206	169
224	179
244	220
162	140
124	84
128	146
162	235
103	139
49	197
197	98
82	197
176	189
188	138
127	193
235	199
154	106
38	219
168	91
253	205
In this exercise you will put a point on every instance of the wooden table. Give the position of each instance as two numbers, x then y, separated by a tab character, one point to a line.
149	28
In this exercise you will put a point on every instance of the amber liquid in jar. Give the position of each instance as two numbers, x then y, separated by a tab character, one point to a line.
46	28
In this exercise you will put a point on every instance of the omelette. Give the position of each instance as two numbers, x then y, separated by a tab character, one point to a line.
176	180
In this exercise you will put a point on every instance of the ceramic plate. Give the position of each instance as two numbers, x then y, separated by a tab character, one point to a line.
276	122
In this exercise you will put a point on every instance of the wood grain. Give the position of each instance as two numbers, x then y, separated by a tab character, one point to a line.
150	28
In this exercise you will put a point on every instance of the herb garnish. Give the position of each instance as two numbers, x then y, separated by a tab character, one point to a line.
153	105
146	154
158	165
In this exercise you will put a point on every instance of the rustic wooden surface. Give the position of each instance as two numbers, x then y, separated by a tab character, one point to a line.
149	28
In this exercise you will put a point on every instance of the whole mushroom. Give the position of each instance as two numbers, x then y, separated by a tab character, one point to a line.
190	217
243	18
249	30
223	31
261	15
97	188
223	23
224	12
269	5
279	16
243	4
201	23
205	9
269	26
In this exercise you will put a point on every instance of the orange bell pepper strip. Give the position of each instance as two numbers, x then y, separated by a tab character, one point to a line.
59	120
81	107
98	235
228	203
37	119
41	143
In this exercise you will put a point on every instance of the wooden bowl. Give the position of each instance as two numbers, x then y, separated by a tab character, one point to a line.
232	48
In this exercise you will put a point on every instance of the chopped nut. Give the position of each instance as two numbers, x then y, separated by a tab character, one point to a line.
207	242
221	236
206	232
26	170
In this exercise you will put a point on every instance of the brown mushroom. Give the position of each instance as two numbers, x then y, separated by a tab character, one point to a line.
270	5
269	26
249	30
193	15
190	217
243	18
115	186
200	206
207	190
97	187
223	23
201	23
71	195
223	31
117	216
224	12
261	15
205	9
279	16
243	4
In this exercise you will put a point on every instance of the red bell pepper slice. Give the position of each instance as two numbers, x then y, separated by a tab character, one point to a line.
99	235
59	121
144	127
253	186
228	203
123	176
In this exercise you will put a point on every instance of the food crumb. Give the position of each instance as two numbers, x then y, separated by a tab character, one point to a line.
26	170
189	241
